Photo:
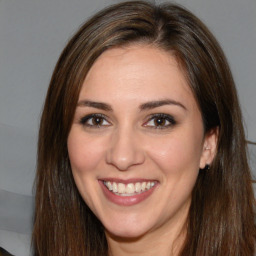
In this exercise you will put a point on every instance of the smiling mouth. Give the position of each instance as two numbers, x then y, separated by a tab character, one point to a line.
129	189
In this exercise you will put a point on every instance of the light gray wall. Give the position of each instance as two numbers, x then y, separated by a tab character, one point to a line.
32	35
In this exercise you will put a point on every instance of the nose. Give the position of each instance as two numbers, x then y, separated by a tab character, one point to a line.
125	150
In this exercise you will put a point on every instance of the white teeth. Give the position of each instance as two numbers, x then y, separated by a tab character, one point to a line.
114	187
130	188
143	186
121	188
109	185
137	187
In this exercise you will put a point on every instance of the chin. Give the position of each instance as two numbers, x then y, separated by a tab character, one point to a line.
125	235
126	230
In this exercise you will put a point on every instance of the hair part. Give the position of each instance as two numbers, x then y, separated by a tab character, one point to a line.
221	217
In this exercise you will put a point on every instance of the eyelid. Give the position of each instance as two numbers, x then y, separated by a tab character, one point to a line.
83	121
166	117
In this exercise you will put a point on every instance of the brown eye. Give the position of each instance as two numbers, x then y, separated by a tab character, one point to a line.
160	121
97	121
94	120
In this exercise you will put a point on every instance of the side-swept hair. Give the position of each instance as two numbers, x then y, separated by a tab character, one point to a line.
221	216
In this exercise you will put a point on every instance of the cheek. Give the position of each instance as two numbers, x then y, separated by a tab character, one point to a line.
84	154
177	154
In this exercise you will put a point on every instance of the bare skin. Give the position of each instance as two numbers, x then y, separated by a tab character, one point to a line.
137	121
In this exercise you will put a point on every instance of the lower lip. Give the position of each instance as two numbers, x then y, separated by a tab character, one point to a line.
126	200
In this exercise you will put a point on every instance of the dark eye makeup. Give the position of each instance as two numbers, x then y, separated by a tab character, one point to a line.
160	121
154	121
94	121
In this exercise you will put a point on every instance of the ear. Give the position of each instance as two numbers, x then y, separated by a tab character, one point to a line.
209	149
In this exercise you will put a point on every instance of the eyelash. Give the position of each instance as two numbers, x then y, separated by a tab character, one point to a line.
161	117
85	120
154	117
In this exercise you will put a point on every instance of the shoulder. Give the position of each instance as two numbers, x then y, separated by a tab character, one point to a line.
3	252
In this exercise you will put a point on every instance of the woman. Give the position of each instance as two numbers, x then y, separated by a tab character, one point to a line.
141	145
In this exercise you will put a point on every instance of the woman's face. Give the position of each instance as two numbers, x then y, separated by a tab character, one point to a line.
137	142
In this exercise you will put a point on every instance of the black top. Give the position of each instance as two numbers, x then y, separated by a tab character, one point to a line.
3	252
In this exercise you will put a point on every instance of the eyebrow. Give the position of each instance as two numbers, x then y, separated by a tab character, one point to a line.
93	104
142	107
159	103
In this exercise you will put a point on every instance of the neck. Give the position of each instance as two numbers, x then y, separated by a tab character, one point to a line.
164	242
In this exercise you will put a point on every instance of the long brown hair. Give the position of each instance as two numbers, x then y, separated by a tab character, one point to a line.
221	217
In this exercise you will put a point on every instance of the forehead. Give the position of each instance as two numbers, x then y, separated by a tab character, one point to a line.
138	72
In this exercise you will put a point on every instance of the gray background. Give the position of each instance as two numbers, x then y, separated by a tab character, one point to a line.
32	35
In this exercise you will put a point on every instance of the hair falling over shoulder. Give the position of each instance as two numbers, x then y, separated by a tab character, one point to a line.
222	212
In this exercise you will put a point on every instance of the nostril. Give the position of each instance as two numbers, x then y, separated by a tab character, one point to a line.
124	150
124	157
